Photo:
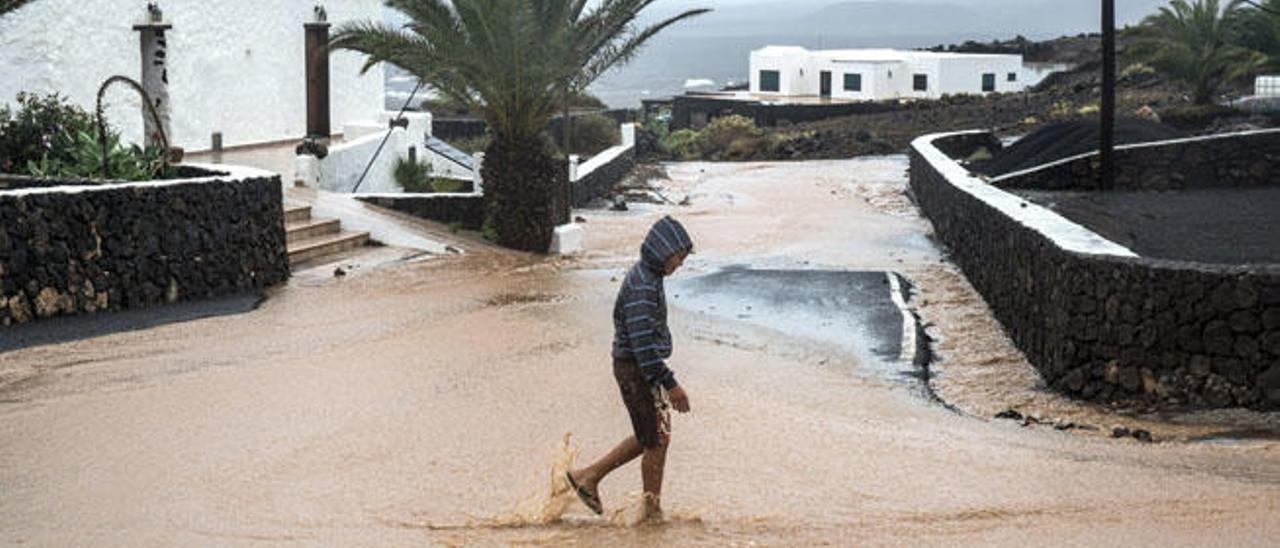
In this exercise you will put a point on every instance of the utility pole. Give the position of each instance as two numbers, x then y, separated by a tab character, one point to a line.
1108	112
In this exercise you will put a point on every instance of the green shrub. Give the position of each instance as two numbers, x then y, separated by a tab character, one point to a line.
43	128
471	145
681	144
82	159
715	140
589	135
413	176
441	184
47	136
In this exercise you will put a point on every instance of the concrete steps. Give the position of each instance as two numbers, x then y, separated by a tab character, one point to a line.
309	238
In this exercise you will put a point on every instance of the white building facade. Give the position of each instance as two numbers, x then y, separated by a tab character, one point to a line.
883	74
234	66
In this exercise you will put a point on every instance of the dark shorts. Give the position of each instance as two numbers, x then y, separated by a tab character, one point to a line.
648	407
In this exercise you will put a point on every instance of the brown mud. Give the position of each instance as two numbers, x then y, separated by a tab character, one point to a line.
427	403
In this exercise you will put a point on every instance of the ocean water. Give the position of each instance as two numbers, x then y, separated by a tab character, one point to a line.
674	64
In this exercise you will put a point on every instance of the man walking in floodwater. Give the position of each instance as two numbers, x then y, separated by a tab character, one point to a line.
641	343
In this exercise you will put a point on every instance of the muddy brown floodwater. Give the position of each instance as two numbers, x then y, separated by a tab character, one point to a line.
428	402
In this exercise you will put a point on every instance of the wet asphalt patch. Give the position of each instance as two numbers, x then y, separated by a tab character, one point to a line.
64	329
863	313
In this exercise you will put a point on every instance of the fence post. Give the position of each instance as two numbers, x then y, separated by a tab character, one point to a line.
477	180
216	147
628	135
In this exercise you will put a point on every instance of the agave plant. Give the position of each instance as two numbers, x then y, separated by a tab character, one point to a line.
1197	43
513	62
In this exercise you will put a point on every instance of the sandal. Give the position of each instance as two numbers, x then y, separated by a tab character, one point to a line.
591	500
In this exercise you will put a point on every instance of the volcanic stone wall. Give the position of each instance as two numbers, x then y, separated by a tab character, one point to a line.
602	179
466	209
68	250
1108	328
1224	161
693	112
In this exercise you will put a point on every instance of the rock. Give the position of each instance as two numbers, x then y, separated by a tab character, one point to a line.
1218	339
1246	295
1269	384
1246	347
1119	432
1130	379
1244	321
1009	414
1149	383
1271	319
1112	373
579	219
1142	436
1200	366
47	302
339	272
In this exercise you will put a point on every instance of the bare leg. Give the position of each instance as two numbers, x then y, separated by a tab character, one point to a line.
626	451
651	469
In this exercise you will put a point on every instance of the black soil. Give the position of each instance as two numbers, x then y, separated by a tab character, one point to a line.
1066	139
1220	226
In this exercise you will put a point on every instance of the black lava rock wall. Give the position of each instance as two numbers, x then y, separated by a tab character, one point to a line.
1225	161
73	250
469	211
601	180
1113	329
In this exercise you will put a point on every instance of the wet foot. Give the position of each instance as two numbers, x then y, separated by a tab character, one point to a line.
652	511
586	490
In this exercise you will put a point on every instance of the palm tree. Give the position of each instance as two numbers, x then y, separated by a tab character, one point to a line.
10	5
1260	30
512	62
1196	43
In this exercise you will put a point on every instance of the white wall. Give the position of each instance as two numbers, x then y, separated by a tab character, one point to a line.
235	66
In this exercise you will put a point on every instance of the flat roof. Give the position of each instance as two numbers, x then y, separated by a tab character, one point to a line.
872	55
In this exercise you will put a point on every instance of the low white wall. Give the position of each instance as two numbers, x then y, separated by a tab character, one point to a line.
605	156
1066	234
341	169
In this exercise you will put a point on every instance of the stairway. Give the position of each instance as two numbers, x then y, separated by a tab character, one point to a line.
309	238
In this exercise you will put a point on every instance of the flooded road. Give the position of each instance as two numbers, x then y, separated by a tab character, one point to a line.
427	403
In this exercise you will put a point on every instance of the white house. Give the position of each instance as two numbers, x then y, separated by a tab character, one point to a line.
880	74
234	66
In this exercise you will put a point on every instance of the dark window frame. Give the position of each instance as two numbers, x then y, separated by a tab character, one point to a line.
1013	77
920	82
857	82
776	81
988	82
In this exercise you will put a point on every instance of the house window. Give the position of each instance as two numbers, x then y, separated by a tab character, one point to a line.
770	80
1013	77
921	82
988	82
852	82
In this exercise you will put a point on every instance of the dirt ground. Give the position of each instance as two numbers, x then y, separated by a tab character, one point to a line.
426	402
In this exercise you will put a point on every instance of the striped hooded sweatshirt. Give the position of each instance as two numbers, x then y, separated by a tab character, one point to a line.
640	312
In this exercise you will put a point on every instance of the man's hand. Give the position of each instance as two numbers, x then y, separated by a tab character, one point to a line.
679	399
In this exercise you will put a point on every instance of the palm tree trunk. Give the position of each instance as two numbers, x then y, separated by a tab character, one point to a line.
521	178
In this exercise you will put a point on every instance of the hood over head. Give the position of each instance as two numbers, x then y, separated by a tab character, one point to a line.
666	238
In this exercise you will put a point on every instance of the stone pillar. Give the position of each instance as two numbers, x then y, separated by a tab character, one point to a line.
317	58
628	135
477	179
155	76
